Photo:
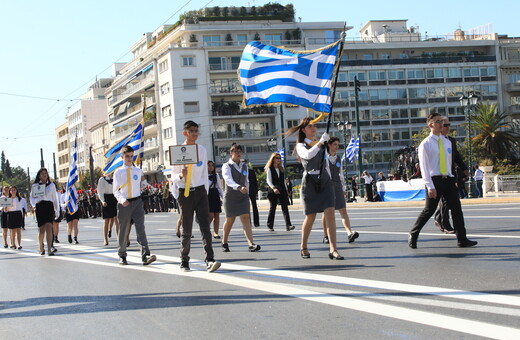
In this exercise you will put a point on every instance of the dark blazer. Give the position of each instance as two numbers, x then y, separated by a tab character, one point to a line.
253	183
457	158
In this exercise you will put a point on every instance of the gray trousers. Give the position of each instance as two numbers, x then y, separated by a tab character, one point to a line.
197	202
134	211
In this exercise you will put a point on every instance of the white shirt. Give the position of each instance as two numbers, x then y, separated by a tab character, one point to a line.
120	188
368	179
24	202
199	171
16	206
103	188
50	195
479	175
269	178
307	154
429	158
63	204
228	178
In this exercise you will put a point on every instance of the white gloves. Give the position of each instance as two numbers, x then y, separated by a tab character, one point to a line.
324	138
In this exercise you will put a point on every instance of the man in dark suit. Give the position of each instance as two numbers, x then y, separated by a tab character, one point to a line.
442	216
253	192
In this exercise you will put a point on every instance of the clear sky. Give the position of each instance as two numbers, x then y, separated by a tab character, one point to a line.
55	49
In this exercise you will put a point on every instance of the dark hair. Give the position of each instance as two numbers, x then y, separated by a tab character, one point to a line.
432	116
235	147
126	148
189	124
301	135
213	174
37	179
271	160
332	140
17	193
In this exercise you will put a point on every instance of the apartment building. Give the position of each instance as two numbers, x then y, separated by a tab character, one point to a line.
100	143
63	152
188	71
89	111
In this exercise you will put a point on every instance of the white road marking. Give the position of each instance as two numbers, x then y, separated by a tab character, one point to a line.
353	303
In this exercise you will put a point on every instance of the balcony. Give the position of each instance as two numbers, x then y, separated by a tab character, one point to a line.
132	109
224	66
513	87
237	112
514	110
249	134
133	87
151	144
419	60
225	87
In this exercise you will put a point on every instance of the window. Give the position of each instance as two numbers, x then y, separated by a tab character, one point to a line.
514	78
489	90
274	39
167	156
211	40
242	39
165	88
417	93
292	122
416	74
471	72
435	73
368	56
188	61
166	111
397	93
396	74
385	56
380	114
377	94
167	133
361	76
163	66
376	75
190	84
453	72
342	76
436	92
191	107
488	71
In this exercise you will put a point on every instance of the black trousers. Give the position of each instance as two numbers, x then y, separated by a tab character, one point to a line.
273	201
256	217
196	202
368	192
445	187
442	215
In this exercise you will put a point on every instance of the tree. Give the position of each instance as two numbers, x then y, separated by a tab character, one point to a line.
7	171
3	161
84	183
495	136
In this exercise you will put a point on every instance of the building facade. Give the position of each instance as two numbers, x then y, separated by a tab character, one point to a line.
100	142
63	152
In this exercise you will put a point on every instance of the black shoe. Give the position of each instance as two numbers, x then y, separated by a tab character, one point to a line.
185	267
122	261
326	240
56	239
53	250
305	256
336	256
51	254
412	242
12	247
149	259
257	225
254	247
128	244
211	266
225	247
109	233
467	243
216	237
69	237
352	237
6	246
20	247
270	228
42	252
291	227
76	240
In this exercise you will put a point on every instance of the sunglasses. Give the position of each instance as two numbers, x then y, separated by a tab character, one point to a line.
447	125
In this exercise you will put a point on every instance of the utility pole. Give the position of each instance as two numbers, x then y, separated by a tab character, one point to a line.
42	164
54	165
91	167
28	182
357	87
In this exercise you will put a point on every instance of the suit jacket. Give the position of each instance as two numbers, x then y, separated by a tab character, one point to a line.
457	158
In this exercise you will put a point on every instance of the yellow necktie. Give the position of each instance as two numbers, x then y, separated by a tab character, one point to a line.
313	143
442	158
129	181
188	181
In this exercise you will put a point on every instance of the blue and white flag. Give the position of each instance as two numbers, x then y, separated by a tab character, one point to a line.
135	140
282	154
71	197
272	75
351	150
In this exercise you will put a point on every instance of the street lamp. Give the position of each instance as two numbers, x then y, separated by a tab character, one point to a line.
272	144
345	127
468	102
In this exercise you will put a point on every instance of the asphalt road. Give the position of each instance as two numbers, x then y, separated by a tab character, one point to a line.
382	290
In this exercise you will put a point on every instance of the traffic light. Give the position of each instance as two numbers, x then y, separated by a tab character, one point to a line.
357	84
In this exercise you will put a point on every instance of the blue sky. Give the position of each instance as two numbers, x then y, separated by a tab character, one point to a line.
55	49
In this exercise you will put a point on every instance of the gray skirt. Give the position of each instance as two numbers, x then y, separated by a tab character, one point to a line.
339	196
236	203
317	201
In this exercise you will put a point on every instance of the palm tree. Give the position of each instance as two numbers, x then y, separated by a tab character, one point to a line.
495	135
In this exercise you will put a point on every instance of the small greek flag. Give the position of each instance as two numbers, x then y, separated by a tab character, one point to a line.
351	150
135	140
71	197
272	75
282	154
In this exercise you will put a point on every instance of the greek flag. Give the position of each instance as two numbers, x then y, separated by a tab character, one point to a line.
135	140
272	75
282	154
351	150
71	197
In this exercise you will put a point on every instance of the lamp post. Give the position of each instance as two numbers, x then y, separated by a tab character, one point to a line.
345	127
357	88
468	102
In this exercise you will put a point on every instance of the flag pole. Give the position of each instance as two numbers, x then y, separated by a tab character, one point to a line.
329	118
143	96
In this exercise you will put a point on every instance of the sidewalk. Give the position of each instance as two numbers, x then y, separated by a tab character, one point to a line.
495	199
